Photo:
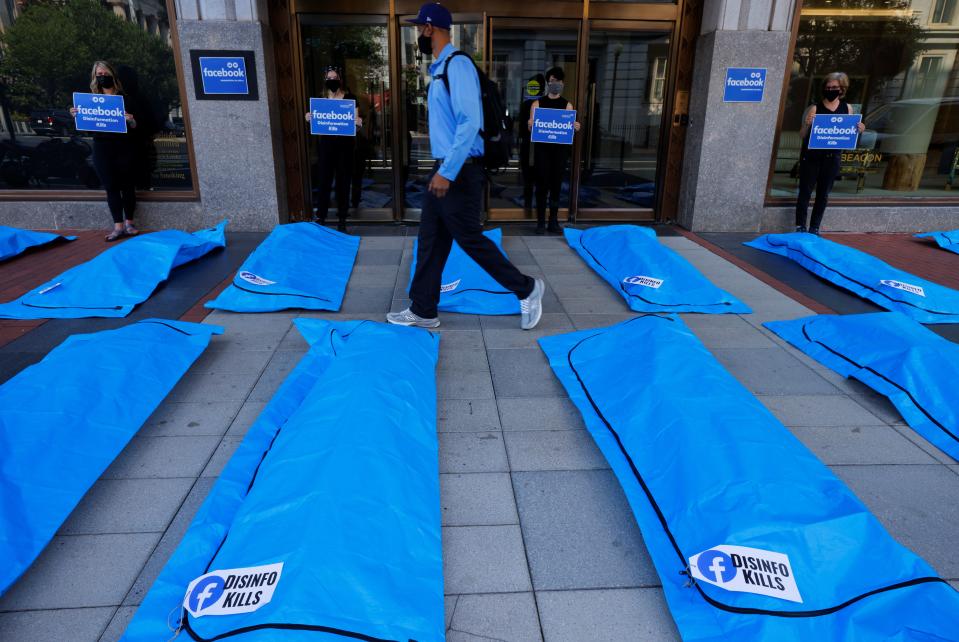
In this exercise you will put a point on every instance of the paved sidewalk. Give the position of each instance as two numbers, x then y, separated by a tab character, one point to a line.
539	542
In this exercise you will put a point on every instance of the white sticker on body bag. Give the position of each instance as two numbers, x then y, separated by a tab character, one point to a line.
645	281
746	570
905	287
449	287
232	590
249	277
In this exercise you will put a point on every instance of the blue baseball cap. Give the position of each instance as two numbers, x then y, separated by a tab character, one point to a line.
433	13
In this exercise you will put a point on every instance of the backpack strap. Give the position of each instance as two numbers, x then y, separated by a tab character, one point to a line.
446	67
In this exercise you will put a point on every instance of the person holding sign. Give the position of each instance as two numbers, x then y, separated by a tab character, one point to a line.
334	159
114	154
818	168
535	89
550	158
457	183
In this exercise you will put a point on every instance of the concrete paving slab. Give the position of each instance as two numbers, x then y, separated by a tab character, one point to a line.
460	339
580	532
78	625
246	417
221	456
553	450
127	506
719	331
455	360
539	413
772	371
467	415
219	386
836	445
590	321
464	385
606	616
168	542
367	299
121	619
279	367
229	361
190	419
510	617
880	407
472	452
523	373
818	410
916	504
477	499
484	559
161	457
81	571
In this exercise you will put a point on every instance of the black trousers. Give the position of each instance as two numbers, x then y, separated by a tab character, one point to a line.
550	171
456	216
335	162
817	172
115	164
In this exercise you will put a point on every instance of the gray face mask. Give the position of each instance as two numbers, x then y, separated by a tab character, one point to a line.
555	87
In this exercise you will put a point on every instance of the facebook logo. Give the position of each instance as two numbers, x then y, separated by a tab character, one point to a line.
206	593
717	566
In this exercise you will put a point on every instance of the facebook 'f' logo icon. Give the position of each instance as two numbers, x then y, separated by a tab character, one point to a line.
717	566
206	593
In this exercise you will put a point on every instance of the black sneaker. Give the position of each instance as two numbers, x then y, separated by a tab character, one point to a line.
800	228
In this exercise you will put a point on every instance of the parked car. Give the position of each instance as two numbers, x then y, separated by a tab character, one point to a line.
51	122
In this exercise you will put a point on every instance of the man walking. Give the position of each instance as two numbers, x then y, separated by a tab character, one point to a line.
451	206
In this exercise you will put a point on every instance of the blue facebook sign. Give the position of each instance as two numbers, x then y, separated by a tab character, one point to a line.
224	75
553	126
835	131
744	85
100	113
332	117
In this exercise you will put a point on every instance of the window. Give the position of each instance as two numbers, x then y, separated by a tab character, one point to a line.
903	79
659	79
943	11
47	51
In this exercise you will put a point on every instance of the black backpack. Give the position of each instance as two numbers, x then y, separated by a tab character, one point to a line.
497	131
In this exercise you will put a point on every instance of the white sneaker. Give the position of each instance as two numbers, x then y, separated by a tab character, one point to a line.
408	318
531	308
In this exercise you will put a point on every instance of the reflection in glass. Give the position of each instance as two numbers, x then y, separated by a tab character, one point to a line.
364	164
625	94
46	57
520	58
414	141
900	56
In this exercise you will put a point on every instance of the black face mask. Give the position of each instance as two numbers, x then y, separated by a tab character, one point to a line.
425	43
105	82
831	94
333	85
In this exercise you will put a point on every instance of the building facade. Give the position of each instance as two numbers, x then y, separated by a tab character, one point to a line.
660	141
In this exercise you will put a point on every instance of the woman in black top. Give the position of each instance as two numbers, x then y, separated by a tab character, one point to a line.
114	155
818	168
334	157
535	87
550	158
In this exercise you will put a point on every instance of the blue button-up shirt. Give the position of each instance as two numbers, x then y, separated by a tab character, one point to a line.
455	120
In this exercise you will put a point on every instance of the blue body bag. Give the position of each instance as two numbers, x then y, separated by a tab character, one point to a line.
946	240
114	282
13	240
467	288
866	276
66	418
300	265
650	276
338	480
740	519
911	365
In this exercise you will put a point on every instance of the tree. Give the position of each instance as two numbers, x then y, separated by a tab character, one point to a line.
48	52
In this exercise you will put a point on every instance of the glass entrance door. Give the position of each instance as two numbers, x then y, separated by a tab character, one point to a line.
416	160
359	170
620	169
520	56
